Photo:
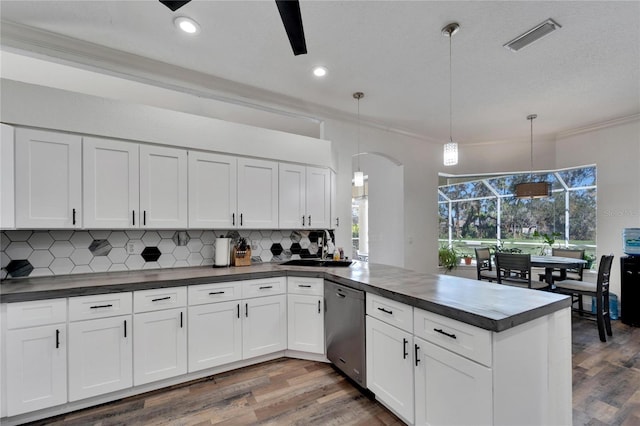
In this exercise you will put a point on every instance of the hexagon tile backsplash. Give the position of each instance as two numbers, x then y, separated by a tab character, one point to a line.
41	253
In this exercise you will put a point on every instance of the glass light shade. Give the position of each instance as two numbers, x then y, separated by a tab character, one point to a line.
358	179
450	154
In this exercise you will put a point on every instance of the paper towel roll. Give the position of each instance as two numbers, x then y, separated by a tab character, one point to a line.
223	252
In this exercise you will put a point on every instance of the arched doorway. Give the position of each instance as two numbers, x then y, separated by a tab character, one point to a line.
378	210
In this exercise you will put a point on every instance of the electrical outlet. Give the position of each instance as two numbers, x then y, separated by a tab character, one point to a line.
130	247
254	245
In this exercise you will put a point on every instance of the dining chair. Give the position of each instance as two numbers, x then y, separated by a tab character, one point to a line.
483	265
600	290
515	269
571	273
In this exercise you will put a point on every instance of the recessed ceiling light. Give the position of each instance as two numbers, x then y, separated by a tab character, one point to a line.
534	34
187	25
319	71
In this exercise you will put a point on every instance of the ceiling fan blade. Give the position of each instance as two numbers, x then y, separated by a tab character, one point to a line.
174	5
292	20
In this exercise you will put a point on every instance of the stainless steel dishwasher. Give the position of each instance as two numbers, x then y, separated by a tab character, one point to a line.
344	330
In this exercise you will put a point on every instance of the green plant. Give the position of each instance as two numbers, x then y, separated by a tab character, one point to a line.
500	248
448	258
590	258
547	240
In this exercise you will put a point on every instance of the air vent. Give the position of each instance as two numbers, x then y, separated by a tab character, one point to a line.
534	34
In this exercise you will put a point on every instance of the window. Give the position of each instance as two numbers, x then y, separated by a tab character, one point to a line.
360	221
482	210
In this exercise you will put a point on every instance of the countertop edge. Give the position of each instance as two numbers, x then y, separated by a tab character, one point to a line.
471	318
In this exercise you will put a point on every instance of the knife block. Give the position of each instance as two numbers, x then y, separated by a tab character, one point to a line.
241	258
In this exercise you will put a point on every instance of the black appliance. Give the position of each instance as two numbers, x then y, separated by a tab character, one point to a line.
630	290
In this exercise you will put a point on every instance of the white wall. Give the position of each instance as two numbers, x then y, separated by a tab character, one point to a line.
616	153
421	162
50	108
386	209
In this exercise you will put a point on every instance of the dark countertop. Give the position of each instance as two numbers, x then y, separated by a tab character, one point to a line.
486	305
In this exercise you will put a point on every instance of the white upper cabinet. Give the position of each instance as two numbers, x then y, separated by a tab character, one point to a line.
212	191
335	220
257	194
292	192
163	187
304	197
318	198
111	184
7	180
48	179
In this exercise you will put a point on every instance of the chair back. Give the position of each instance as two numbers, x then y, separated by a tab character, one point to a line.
604	272
514	267
483	260
572	253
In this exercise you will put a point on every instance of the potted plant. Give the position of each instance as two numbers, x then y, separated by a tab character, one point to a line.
590	258
448	258
467	258
547	240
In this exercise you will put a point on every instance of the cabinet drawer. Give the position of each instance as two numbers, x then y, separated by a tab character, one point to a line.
464	339
392	312
37	312
158	299
99	306
218	292
263	287
300	285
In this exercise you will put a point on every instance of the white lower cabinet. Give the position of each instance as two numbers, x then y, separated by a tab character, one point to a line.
450	389
305	323
264	325
36	355
390	366
100	356
215	335
305	314
160	335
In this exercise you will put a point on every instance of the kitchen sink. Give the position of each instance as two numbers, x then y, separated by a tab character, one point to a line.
318	262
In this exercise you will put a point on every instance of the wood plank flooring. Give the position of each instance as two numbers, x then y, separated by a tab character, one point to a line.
606	391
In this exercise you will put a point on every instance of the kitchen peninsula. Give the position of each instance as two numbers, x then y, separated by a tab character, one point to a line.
499	354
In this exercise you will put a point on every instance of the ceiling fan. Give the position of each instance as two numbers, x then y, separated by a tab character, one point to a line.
289	13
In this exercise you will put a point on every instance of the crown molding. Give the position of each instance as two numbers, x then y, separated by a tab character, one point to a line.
598	126
57	48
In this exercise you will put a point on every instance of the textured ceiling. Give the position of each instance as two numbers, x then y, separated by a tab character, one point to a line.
585	73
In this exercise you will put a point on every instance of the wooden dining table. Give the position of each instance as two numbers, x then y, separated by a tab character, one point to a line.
549	263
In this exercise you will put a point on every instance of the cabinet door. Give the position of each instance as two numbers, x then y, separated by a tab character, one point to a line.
163	187
450	389
264	326
111	185
257	194
305	331
48	179
318	200
7	182
291	192
335	220
212	190
36	368
100	356
160	348
215	335
390	366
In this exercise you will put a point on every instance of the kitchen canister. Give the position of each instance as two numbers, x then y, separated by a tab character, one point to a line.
631	241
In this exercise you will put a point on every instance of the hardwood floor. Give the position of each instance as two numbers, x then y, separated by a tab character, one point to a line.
606	391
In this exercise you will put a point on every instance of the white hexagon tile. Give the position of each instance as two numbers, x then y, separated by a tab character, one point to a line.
27	253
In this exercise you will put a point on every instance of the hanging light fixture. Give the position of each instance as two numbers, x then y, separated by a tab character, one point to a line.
533	189
358	176
450	148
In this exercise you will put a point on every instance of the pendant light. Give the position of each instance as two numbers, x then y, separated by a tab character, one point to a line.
450	148
533	189
358	176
